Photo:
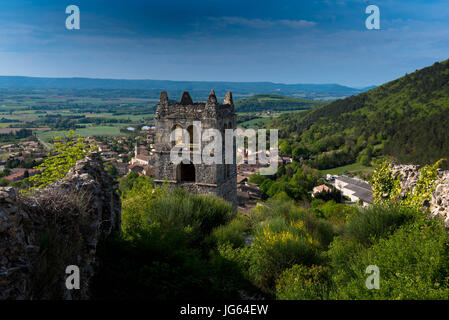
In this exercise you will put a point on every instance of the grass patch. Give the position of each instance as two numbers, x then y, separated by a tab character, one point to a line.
350	168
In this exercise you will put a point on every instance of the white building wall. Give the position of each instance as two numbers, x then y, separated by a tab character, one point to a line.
340	185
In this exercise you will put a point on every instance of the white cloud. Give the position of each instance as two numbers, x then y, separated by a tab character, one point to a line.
261	24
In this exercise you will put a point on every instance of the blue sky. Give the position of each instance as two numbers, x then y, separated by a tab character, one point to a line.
288	41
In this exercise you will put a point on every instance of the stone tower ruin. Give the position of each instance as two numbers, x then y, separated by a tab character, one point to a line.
217	179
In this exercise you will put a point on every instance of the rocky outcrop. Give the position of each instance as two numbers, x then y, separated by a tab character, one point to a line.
44	232
439	205
439	202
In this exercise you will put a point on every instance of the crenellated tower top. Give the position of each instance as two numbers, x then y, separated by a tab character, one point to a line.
189	109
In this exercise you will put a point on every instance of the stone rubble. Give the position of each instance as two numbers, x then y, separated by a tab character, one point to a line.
439	203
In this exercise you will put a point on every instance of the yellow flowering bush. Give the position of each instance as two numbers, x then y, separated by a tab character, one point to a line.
304	283
385	187
273	252
299	225
270	238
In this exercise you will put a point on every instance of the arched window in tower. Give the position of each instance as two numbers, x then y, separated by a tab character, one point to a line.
228	167
224	133
186	172
177	134
225	166
190	131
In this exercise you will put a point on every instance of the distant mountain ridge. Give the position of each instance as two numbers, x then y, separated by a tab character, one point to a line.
198	89
273	102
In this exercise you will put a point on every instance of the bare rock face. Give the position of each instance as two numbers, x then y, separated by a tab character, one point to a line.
439	203
44	232
440	197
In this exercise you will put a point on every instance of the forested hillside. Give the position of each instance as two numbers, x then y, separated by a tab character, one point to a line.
406	119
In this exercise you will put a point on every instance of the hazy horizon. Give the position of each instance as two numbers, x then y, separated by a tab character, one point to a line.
171	80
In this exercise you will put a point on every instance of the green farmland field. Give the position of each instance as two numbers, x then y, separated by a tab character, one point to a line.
84	132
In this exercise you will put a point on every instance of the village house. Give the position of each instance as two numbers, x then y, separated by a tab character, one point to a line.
141	156
320	189
20	173
122	168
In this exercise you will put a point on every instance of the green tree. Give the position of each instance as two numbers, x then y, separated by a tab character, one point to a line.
299	152
112	170
285	147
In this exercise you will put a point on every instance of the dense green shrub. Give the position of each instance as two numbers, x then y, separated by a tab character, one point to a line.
385	186
274	208
233	233
304	283
337	213
375	222
242	256
321	230
155	270
272	253
132	181
276	224
163	252
293	180
277	244
343	252
413	264
257	178
194	215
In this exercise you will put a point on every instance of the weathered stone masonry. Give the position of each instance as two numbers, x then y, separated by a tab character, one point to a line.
62	225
